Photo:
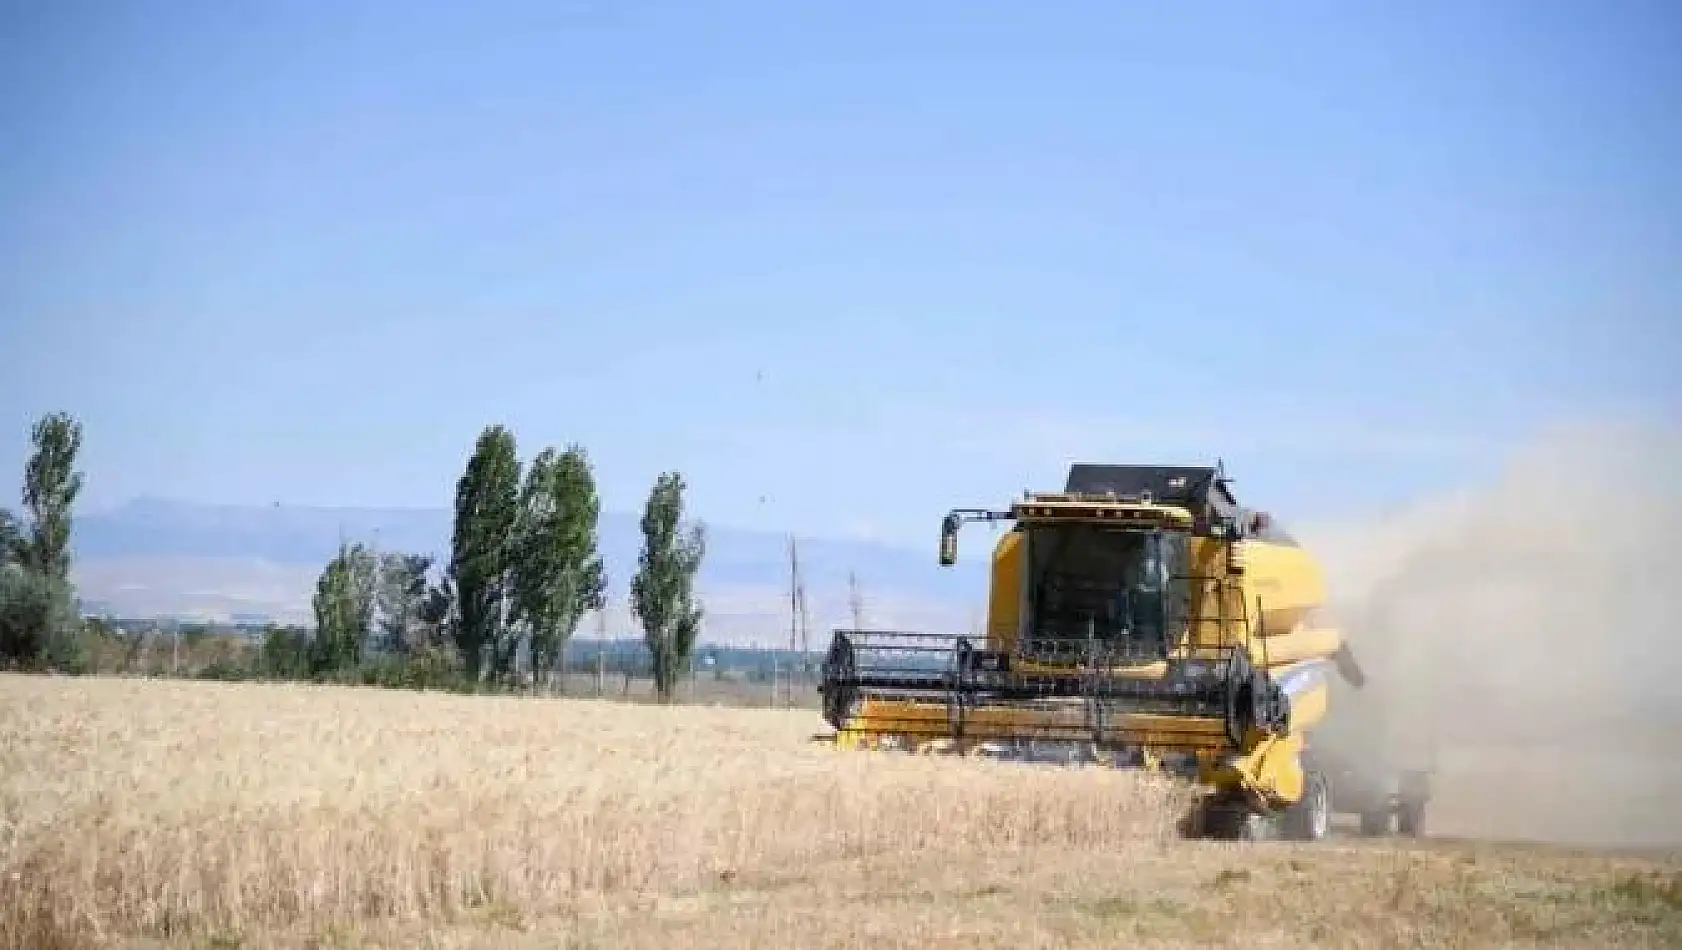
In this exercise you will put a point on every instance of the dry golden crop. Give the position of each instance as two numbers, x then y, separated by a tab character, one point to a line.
241	814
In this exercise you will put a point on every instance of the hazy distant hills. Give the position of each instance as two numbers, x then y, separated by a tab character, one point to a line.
156	557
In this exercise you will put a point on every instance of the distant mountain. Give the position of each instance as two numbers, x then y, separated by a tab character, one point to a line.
158	556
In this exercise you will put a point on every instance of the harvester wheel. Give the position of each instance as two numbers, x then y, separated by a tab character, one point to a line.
1255	827
1410	819
1311	818
1410	815
1229	821
1375	823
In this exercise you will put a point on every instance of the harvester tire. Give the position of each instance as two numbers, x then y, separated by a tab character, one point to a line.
1410	819
1254	827
1410	814
1375	823
1228	821
1310	819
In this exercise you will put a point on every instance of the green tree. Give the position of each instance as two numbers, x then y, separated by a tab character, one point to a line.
50	486
487	510
402	598
12	549
285	653
663	590
344	609
38	622
557	573
19	590
438	613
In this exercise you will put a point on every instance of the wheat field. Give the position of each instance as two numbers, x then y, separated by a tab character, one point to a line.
169	813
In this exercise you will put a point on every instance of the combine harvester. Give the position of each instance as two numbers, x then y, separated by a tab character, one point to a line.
1139	618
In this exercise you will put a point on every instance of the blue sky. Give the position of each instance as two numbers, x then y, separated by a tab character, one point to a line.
845	265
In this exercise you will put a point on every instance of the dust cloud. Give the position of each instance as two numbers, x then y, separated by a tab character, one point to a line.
1524	638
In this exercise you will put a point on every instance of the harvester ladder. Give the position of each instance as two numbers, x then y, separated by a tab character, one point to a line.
1090	684
1229	640
1223	591
955	710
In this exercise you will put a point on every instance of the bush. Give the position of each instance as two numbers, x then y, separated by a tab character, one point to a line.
285	653
38	624
225	671
428	668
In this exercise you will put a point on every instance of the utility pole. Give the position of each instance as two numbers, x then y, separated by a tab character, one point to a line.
379	569
601	649
793	612
798	635
805	637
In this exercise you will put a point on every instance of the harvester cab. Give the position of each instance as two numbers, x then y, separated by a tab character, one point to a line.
1139	617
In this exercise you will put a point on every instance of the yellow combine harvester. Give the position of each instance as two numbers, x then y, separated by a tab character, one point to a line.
1139	618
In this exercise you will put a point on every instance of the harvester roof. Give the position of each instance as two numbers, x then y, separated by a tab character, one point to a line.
1200	489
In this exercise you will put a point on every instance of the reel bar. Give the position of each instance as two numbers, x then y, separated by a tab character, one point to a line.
939	685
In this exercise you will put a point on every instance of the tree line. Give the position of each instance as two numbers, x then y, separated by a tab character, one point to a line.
524	568
522	571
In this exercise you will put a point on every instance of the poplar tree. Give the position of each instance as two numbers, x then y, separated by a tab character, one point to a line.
38	622
481	549
344	602
557	572
663	591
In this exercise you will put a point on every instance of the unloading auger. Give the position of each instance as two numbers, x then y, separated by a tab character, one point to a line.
1140	617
